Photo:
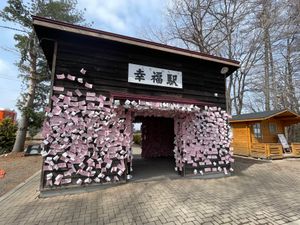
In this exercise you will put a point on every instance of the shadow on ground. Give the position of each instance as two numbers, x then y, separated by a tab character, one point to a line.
242	163
154	168
163	168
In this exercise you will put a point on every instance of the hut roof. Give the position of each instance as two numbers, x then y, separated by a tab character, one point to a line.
284	114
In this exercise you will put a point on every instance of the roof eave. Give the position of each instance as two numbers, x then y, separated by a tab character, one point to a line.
40	21
246	120
265	118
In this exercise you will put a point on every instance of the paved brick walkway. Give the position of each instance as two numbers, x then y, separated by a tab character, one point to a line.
260	193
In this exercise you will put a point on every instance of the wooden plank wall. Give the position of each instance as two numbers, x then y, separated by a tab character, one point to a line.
267	136
240	142
107	66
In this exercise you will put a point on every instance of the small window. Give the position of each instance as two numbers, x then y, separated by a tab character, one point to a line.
257	130
272	128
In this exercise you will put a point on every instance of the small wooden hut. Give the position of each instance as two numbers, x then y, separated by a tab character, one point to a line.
257	134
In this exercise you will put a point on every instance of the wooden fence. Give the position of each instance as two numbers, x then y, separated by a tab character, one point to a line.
295	149
266	150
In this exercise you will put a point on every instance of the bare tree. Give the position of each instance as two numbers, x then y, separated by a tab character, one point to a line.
279	24
255	32
220	28
290	52
194	24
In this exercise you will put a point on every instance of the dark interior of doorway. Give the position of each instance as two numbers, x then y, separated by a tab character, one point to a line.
155	158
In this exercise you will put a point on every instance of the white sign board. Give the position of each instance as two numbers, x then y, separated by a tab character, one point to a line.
140	74
283	141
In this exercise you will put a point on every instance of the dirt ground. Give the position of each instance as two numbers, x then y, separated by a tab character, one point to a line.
18	168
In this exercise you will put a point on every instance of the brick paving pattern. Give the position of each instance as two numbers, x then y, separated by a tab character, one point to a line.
258	193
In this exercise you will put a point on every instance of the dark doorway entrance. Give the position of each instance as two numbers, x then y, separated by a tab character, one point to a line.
157	157
157	137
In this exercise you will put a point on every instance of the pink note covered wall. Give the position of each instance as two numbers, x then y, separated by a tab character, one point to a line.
88	136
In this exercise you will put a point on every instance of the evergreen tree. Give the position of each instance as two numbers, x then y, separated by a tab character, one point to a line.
8	131
32	64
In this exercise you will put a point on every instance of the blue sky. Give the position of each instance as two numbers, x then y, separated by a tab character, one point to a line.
127	17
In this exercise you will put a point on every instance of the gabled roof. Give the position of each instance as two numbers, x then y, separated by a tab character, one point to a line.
85	31
257	116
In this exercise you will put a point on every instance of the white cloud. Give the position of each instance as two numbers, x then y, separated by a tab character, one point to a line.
122	16
103	11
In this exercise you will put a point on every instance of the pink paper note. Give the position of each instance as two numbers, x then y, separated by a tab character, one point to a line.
91	94
79	182
49	183
70	77
68	173
55	88
55	99
83	71
60	76
58	179
88	85
62	165
207	169
90	98
88	180
47	168
78	92
66	181
56	110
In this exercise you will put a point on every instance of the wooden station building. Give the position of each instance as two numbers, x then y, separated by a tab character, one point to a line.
256	134
103	82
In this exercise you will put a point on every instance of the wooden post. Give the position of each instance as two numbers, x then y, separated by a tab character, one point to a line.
53	72
249	139
50	103
267	151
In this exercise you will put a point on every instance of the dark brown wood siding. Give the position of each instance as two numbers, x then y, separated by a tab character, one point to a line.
106	63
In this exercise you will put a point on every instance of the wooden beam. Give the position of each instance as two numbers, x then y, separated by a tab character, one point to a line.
50	102
53	72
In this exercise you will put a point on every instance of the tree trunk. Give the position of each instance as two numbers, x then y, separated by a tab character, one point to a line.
23	124
291	93
21	134
273	76
228	28
265	25
228	95
267	76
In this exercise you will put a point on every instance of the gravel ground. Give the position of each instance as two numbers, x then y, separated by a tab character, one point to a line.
18	168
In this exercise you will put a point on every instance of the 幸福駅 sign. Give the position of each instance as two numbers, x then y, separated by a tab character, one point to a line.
140	74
